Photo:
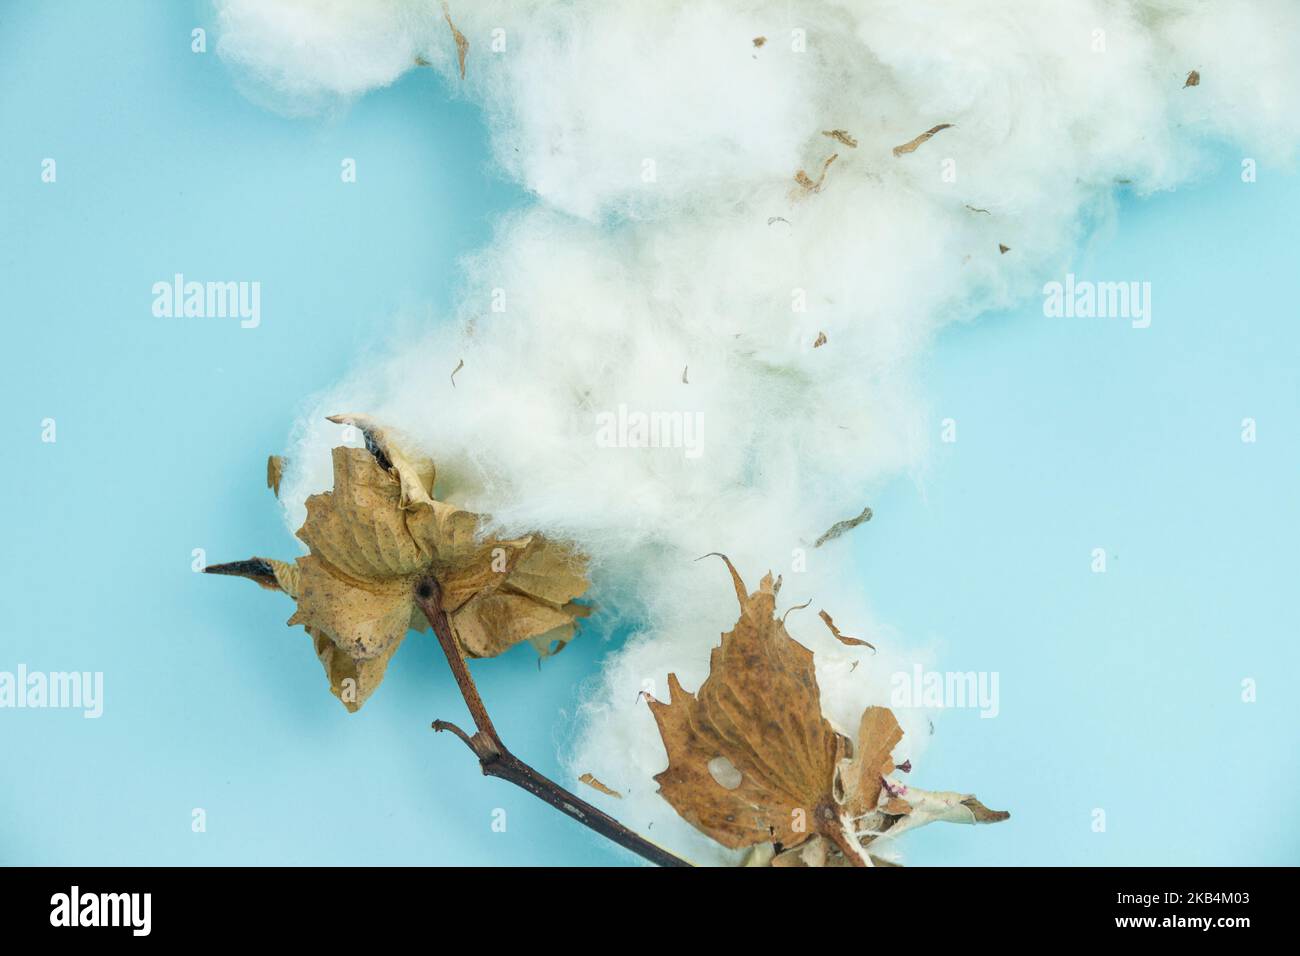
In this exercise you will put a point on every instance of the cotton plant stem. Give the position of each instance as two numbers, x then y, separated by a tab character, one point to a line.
497	761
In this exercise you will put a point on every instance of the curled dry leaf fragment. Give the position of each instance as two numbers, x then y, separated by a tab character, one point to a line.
1193	79
752	761
840	527
806	181
591	781
910	145
844	638
376	533
759	41
821	340
841	136
274	472
462	45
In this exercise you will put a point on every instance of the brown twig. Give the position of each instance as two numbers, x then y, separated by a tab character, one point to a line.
497	761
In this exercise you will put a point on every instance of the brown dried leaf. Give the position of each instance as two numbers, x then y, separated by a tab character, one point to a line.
842	136
274	472
750	756
1003	250
844	638
911	145
759	41
821	340
462	45
591	781
1193	79
840	527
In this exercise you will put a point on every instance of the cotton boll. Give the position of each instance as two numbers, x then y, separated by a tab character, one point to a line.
722	270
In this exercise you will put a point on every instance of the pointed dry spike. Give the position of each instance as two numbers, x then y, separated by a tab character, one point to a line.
274	472
374	442
839	527
983	814
591	781
742	593
258	570
911	145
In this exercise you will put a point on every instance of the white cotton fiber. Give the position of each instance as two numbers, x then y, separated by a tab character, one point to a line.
669	236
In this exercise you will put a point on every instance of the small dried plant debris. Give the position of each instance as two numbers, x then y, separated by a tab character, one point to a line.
821	340
808	183
759	41
459	365
844	638
1193	79
911	145
274	472
1002	249
840	527
752	762
841	136
591	781
462	45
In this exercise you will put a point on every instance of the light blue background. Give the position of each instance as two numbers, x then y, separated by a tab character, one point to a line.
1119	691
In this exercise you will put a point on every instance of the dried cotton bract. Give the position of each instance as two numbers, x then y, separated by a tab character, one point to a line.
377	533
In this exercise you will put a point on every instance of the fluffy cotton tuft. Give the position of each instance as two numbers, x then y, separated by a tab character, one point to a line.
669	239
